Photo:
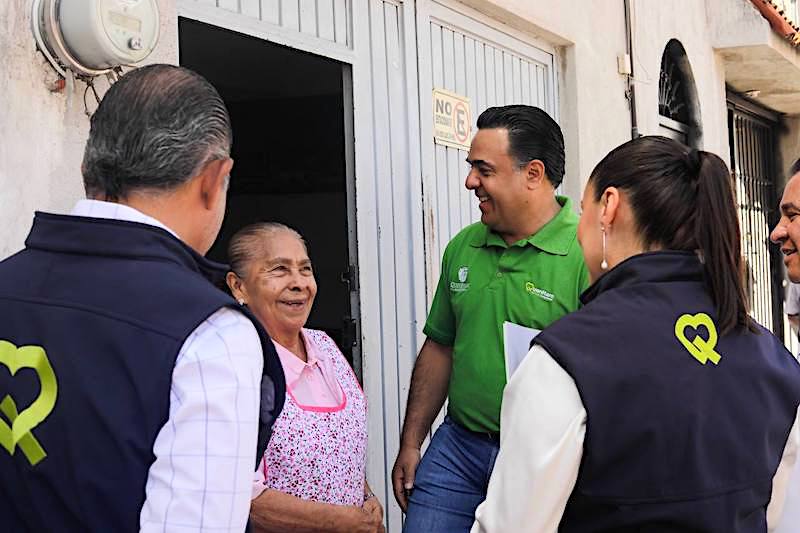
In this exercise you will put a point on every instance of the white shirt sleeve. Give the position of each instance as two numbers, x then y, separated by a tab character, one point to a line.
783	511
205	453
541	445
792	305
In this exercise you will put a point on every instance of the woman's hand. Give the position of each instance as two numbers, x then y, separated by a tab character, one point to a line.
373	507
360	520
277	512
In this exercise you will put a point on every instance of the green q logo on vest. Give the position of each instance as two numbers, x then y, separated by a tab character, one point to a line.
20	432
700	348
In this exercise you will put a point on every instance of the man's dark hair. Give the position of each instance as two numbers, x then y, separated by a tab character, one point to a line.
532	134
682	199
155	129
795	168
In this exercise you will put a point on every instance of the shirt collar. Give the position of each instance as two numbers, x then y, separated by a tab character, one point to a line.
552	238
115	211
109	237
290	360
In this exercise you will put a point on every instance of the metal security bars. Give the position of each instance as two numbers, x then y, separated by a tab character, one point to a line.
752	139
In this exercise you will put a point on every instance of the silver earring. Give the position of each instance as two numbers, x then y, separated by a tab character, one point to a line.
241	302
604	264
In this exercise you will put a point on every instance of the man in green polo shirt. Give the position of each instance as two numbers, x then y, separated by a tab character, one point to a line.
522	264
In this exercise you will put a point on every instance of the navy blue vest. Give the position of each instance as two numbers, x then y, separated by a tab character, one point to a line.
672	445
111	303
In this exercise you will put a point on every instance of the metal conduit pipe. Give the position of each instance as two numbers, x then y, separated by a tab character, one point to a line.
631	89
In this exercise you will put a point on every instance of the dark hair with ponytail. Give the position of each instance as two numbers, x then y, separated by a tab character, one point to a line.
682	199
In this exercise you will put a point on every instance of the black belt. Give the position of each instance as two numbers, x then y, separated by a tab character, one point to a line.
492	437
483	435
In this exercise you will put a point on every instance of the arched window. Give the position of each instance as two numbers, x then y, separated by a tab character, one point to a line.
678	107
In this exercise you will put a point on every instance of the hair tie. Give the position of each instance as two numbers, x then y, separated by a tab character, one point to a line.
694	162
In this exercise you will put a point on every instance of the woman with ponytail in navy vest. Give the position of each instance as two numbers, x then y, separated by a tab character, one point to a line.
659	406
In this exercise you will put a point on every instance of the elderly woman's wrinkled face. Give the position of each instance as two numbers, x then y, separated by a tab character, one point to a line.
280	286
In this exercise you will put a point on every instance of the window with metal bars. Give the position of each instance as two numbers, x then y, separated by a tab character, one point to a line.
752	139
678	105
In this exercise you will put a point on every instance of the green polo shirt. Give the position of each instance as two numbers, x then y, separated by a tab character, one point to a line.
485	282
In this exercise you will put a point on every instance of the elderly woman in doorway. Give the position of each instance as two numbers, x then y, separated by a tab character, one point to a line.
311	477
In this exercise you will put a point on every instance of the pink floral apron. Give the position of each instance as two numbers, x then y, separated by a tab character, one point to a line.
319	453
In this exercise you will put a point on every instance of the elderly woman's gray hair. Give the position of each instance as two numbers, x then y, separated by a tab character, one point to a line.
156	128
247	244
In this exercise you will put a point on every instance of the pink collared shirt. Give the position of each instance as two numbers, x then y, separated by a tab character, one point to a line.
313	383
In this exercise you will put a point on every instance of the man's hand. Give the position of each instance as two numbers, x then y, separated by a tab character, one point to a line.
425	398
405	468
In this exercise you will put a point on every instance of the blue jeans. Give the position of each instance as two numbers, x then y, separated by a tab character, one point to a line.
451	480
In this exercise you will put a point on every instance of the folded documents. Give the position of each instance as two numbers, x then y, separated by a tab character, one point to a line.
517	343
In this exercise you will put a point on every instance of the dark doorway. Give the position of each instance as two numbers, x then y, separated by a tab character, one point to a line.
288	113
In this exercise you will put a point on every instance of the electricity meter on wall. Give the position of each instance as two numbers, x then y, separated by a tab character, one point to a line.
91	37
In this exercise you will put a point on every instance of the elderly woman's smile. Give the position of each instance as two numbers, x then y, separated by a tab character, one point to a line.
297	304
297	308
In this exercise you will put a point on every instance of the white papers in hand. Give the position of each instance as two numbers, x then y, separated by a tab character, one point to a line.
517	343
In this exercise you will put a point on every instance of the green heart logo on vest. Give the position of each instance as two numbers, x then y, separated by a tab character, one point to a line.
19	433
700	348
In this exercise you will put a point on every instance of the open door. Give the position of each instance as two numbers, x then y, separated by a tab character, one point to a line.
293	151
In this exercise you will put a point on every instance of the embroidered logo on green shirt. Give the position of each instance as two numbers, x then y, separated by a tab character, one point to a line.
20	432
541	293
700	348
460	285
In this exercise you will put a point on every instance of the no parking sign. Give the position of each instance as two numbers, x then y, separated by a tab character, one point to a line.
452	119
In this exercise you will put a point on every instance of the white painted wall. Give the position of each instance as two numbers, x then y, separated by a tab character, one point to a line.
655	23
42	133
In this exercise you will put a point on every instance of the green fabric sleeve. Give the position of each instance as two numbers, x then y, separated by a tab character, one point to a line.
441	323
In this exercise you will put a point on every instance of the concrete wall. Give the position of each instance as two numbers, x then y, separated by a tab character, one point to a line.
43	132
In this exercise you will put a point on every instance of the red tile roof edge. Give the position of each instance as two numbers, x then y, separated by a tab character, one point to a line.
779	23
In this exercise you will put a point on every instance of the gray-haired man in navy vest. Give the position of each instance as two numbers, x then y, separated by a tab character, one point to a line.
133	394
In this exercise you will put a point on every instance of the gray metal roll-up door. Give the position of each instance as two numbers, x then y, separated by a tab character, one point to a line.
465	52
